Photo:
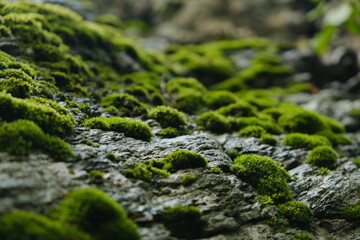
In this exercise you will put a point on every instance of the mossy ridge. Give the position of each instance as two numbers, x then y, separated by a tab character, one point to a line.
267	176
22	136
46	115
94	212
26	225
131	128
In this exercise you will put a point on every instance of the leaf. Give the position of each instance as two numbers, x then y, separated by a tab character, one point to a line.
338	15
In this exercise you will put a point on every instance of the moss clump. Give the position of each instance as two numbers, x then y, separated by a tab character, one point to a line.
131	128
301	140
302	121
213	121
188	179
252	131
47	117
125	104
217	99
25	225
242	122
352	213
97	175
238	109
171	132
323	171
265	174
302	236
357	162
94	212
355	113
323	156
335	138
184	222
147	171
177	85
182	159
22	136
168	117
297	212
216	170
268	139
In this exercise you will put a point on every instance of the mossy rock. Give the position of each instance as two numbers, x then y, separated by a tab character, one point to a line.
97	214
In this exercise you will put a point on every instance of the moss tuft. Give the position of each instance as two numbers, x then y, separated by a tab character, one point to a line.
302	236
217	99
268	139
25	225
182	159
265	174
323	156
352	213
323	171
94	212
252	131
130	128
297	212
188	179
125	104
212	121
301	140
147	171
168	117
238	109
22	136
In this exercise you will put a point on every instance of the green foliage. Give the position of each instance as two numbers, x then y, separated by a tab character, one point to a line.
265	174
182	159
188	179
301	140
302	236
126	104
131	128
47	117
147	171
297	212
357	162
22	136
323	171
94	212
352	213
22	225
268	139
217	99
323	156
252	131
212	121
168	116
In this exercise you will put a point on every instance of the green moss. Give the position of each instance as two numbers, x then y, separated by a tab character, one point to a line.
335	138
22	136
323	171
352	213
302	121
177	85
357	162
216	170
323	156
182	159
110	20
126	104
97	175
296	212
301	140
265	174
48	118
189	101
111	156
242	122
94	212
188	179
147	171
268	139
232	153
17	87
238	109
252	131
169	132
25	225
217	99
302	236
212	121
130	128
355	113
168	117
184	222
